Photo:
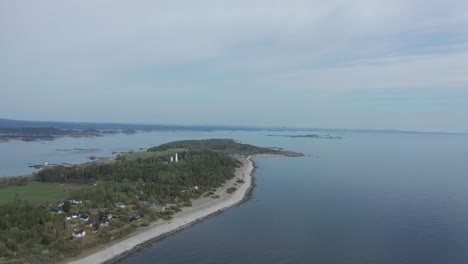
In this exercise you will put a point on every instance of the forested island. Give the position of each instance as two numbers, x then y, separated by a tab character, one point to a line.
307	136
106	202
51	133
33	134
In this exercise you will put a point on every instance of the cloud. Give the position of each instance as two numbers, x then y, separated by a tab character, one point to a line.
140	49
116	33
435	71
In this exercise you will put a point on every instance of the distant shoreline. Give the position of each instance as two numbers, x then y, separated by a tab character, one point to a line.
201	209
307	136
110	128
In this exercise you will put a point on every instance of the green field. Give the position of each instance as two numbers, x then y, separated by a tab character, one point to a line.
38	192
144	155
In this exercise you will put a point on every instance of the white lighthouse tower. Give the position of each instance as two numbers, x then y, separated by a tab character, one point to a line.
176	157
172	159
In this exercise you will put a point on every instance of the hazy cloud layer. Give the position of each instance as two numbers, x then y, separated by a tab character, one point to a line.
327	63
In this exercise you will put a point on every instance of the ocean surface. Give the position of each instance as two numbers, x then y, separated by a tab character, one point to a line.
367	198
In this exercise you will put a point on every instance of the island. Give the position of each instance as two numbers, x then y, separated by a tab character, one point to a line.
307	136
99	212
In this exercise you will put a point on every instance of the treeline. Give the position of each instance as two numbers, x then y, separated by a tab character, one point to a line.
10	181
156	177
203	167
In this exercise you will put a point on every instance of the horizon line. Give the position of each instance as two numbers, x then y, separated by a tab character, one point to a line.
248	127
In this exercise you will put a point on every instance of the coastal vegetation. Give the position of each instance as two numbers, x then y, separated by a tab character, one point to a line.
65	210
231	190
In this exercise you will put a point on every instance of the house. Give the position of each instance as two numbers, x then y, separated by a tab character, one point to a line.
120	205
68	217
195	188
79	233
111	216
55	211
84	217
135	217
104	224
76	215
59	204
76	202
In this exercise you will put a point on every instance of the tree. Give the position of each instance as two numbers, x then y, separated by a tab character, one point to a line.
66	206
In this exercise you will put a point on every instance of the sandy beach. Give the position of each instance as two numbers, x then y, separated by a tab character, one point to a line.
201	208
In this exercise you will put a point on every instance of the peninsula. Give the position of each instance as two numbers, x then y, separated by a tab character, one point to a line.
111	208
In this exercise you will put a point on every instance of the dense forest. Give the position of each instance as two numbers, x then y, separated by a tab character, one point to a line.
27	230
197	167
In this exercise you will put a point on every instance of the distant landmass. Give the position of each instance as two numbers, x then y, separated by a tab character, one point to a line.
48	130
37	133
307	136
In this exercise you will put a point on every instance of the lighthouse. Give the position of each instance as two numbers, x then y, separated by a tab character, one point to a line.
176	157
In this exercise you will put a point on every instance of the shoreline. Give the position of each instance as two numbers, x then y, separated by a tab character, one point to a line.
202	209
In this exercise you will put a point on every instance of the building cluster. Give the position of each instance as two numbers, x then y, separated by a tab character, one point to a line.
84	221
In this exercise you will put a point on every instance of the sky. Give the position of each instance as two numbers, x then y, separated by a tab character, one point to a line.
374	64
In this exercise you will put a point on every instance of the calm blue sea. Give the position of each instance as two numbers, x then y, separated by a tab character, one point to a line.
367	198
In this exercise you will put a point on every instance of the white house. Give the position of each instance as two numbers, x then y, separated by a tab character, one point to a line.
79	233
84	217
76	201
55	211
119	205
